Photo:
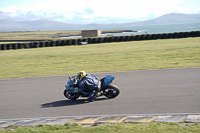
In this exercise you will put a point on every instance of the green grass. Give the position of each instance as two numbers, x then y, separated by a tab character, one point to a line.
105	57
152	127
35	35
38	35
12	42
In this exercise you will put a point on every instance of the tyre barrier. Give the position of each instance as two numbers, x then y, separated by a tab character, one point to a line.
121	38
193	34
74	41
132	38
110	39
52	43
3	47
30	45
127	38
26	45
163	36
97	39
84	40
197	33
186	34
58	43
14	46
143	37
158	36
116	39
63	42
153	36
176	35
94	40
100	40
42	44
140	37
181	35
89	40
9	46
105	39
35	44
170	35
46	44
79	40
137	37
69	42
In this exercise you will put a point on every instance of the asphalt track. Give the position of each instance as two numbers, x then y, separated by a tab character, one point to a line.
160	91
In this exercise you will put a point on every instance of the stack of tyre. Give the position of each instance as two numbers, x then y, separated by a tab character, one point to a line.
83	41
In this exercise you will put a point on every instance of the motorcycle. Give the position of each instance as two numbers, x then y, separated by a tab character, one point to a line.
106	88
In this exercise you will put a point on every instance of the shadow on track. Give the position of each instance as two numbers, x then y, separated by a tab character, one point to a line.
68	102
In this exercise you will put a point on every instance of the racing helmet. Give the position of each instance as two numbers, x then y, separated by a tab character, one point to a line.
81	75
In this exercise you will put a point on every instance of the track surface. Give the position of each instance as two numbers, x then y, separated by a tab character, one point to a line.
142	92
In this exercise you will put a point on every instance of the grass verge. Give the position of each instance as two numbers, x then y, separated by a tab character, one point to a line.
152	127
40	35
105	57
35	35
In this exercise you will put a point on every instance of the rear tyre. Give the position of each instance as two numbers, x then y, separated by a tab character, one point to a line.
111	91
71	96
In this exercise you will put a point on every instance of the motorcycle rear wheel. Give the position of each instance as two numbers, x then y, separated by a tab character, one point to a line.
71	96
111	91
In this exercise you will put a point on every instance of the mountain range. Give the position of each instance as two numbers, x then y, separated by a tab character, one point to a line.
47	25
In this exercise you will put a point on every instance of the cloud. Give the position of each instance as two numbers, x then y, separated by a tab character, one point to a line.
84	16
88	10
197	10
104	11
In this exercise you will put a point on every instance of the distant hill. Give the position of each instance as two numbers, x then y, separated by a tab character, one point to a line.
173	18
42	24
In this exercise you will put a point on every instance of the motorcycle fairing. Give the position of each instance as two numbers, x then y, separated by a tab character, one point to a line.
69	83
106	80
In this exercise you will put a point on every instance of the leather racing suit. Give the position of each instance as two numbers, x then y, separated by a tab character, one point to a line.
92	83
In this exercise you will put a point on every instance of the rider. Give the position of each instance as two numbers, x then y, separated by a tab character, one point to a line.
88	81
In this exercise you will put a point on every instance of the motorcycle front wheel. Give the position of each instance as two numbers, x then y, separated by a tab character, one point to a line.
111	91
71	96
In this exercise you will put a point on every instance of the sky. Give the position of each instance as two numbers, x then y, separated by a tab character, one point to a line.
94	11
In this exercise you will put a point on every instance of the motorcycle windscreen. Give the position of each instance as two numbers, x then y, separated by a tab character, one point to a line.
70	82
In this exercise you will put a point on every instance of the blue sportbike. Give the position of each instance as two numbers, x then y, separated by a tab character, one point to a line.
106	88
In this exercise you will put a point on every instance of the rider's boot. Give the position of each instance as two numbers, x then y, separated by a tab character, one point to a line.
92	96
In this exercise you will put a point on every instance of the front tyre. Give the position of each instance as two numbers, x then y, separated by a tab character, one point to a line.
111	91
71	96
